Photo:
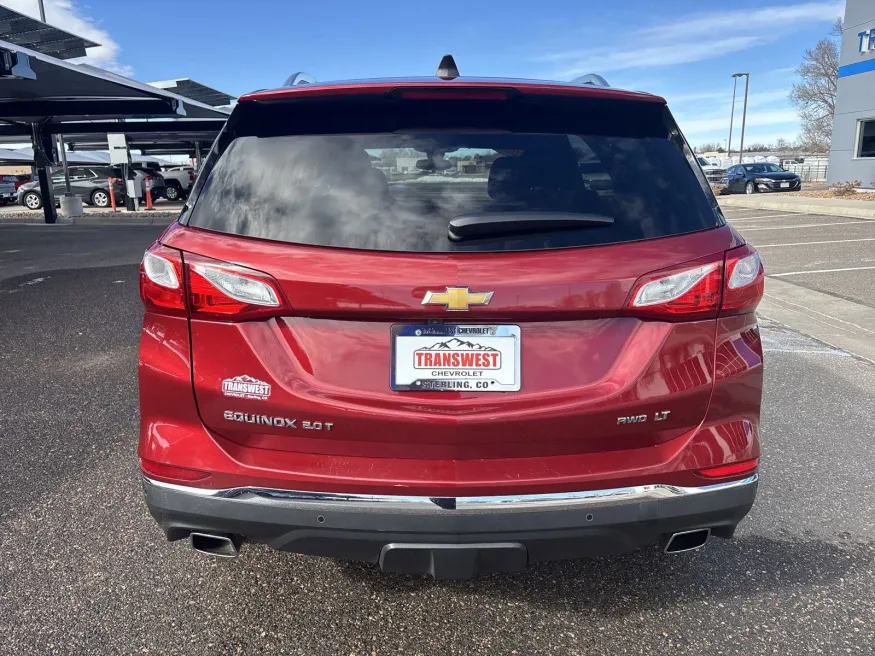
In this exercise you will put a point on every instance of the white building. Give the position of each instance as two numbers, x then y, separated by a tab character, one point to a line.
852	153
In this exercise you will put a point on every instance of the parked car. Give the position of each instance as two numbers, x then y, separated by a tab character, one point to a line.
712	173
760	177
179	180
152	171
91	183
7	189
450	375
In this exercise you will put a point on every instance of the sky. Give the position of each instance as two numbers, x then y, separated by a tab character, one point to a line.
685	51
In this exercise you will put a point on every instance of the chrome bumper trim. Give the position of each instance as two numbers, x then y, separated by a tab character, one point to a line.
559	500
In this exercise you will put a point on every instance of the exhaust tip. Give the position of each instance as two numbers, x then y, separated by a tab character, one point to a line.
220	546
687	541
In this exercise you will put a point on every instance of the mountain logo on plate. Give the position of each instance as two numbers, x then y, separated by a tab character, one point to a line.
457	353
246	387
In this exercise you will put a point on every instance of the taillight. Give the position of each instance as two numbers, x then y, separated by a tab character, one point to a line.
701	290
735	469
687	292
745	281
230	292
161	282
173	282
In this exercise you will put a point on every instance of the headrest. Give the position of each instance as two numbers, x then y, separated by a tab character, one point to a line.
538	181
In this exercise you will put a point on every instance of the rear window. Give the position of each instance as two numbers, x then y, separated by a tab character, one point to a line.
391	175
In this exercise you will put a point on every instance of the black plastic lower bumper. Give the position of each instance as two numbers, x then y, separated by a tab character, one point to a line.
452	540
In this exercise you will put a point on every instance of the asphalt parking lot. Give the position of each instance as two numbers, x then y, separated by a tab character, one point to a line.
84	569
830	254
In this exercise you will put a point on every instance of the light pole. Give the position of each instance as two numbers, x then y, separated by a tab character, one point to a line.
731	118
743	113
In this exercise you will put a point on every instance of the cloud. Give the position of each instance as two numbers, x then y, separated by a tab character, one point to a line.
763	20
692	38
717	122
66	15
682	103
703	115
624	58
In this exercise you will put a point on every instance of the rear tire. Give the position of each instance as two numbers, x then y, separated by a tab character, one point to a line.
100	198
750	188
32	201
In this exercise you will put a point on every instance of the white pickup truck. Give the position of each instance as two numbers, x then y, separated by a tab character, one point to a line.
712	173
179	181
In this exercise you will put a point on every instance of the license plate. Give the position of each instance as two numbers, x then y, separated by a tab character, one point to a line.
785	185
445	358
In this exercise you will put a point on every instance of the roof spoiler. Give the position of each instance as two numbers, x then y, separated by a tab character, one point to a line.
593	79
298	78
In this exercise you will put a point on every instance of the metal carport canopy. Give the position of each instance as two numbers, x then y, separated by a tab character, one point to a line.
23	30
8	156
26	156
36	89
196	91
177	136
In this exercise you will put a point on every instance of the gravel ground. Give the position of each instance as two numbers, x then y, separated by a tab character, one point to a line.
84	569
833	193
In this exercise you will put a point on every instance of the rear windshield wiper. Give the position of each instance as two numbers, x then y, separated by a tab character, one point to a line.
494	224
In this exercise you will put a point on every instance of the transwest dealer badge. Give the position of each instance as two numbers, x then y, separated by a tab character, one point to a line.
458	354
448	358
246	387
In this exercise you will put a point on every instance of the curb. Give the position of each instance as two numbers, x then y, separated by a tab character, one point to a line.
149	219
163	218
864	211
835	321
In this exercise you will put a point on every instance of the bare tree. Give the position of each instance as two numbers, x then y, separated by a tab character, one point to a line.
815	95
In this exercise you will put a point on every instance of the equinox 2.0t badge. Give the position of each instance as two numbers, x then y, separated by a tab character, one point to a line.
457	299
276	422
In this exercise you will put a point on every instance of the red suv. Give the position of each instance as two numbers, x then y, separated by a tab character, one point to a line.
450	327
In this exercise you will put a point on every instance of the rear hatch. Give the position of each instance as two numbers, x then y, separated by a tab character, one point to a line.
453	276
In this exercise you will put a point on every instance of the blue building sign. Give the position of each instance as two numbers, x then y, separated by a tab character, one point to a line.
867	47
867	40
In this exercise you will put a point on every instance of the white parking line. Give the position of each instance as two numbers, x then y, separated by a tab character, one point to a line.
799	273
833	352
767	216
813	243
810	225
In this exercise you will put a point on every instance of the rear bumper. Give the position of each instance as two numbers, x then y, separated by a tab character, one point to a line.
452	537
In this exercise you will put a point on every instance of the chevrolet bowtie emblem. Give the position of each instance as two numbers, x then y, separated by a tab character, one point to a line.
457	298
